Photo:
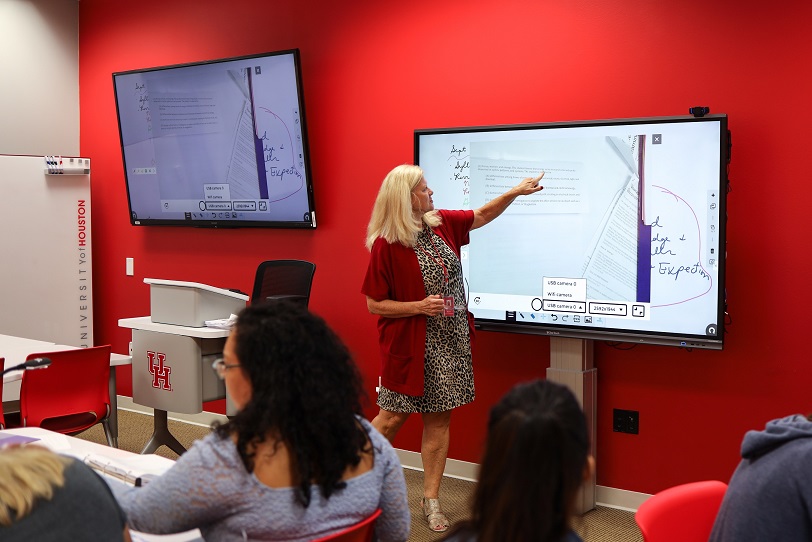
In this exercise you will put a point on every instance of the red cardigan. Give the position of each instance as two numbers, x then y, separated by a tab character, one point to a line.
394	273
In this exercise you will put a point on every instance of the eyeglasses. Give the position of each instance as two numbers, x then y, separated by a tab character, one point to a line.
220	367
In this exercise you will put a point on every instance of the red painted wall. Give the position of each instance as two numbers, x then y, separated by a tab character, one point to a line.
374	71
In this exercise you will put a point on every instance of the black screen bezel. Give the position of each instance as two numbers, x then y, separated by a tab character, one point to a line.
619	334
213	223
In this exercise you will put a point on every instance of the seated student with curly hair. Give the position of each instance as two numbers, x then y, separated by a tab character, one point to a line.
536	459
45	497
297	461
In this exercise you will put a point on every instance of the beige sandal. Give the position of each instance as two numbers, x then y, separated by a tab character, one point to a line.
434	515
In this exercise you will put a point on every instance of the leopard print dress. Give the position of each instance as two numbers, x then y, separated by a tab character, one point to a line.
448	373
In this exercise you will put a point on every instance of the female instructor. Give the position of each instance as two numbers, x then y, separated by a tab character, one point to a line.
414	283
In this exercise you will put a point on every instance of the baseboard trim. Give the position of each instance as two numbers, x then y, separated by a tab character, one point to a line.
464	470
621	499
454	468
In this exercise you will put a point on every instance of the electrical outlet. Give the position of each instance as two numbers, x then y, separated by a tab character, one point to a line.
626	421
633	423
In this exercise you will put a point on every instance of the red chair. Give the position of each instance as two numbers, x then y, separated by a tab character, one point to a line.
360	532
684	513
69	396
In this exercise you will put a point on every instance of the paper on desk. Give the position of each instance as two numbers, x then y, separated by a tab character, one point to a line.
188	536
53	441
222	323
9	439
137	465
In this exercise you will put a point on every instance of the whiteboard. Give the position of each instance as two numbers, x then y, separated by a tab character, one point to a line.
45	248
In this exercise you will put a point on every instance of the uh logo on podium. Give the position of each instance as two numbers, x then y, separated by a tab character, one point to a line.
159	370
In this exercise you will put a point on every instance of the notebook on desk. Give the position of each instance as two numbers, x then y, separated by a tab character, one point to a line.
9	439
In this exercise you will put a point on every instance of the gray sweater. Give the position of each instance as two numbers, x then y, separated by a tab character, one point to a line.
83	510
770	494
209	488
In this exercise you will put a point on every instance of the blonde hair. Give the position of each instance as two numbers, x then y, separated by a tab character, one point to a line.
27	473
392	215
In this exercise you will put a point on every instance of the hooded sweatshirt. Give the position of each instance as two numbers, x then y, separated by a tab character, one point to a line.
769	497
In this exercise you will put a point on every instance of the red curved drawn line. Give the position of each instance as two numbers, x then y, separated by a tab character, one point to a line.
699	239
289	195
290	139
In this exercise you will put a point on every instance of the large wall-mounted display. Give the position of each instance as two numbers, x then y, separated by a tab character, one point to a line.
625	243
221	143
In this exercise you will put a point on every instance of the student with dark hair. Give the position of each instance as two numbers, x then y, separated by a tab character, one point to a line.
45	497
536	459
297	461
769	496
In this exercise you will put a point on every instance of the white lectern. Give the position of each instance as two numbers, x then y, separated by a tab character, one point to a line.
172	351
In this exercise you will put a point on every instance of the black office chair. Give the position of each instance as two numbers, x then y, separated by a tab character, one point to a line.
283	279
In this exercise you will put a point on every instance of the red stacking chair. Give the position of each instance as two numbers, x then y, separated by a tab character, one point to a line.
71	395
360	532
683	513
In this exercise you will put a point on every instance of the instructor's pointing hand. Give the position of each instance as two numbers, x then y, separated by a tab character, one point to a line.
529	185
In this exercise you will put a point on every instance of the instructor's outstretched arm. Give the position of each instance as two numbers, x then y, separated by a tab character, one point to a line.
497	205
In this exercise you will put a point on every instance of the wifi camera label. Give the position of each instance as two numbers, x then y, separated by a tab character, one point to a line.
564	289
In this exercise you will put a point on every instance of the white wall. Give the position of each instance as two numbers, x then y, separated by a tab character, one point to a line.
45	245
39	63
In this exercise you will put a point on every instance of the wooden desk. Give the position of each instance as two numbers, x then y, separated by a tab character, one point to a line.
80	449
16	349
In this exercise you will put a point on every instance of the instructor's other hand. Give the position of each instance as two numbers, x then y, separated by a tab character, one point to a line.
431	306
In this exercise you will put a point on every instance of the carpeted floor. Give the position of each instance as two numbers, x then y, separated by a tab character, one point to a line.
600	525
